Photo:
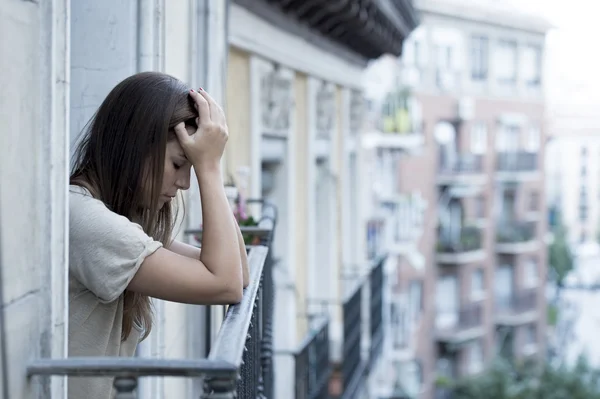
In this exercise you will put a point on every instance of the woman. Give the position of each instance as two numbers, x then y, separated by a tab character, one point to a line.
137	153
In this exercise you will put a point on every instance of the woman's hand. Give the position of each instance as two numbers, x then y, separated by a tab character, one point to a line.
204	148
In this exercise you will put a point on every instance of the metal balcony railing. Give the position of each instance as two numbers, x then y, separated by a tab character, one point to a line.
519	302
515	161
509	232
462	164
239	364
468	317
313	369
469	239
353	367
376	280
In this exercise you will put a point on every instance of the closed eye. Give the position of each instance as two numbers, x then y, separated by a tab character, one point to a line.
176	166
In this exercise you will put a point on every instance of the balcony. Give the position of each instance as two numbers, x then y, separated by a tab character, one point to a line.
376	315
516	166
465	248
466	169
353	367
312	366
514	237
457	327
239	362
517	309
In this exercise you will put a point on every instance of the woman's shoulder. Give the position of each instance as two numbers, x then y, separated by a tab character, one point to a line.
88	215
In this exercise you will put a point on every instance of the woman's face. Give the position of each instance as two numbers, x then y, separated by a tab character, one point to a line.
176	174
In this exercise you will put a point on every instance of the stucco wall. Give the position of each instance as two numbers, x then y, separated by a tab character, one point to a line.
33	143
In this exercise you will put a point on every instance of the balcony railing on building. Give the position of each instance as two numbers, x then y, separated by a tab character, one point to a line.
312	365
239	363
517	308
362	313
463	246
463	168
398	125
456	327
516	165
516	236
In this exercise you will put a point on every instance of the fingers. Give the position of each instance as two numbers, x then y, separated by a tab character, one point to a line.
216	112
201	106
181	133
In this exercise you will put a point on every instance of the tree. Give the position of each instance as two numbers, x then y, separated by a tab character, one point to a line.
504	380
560	258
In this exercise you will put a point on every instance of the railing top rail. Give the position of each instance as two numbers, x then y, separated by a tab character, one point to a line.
349	294
260	232
319	324
130	367
231	339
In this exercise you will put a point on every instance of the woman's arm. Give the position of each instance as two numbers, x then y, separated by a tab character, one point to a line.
217	276
184	249
244	256
193	252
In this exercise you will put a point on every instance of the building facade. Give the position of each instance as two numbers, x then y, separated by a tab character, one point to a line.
290	78
472	78
573	188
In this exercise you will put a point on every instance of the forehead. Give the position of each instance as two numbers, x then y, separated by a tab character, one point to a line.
174	148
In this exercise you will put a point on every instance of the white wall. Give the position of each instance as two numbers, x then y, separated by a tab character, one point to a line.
33	212
564	181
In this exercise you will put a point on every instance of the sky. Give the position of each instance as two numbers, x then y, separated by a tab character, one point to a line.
573	57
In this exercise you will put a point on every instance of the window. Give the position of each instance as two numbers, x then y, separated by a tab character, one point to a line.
415	300
531	273
507	139
530	334
446	302
444	56
531	65
480	206
479	138
506	62
533	139
534	199
477	284
504	286
474	357
479	58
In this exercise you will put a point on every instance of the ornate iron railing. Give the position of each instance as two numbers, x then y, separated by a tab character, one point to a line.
232	365
376	316
312	366
518	302
239	364
469	239
463	164
509	232
516	162
353	368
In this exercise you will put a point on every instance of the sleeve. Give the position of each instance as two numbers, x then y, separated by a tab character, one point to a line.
105	249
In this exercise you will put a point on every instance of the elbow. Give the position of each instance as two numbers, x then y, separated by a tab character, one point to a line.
234	296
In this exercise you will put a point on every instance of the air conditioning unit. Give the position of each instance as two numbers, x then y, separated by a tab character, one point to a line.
466	108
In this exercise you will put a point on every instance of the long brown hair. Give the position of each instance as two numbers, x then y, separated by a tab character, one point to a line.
123	146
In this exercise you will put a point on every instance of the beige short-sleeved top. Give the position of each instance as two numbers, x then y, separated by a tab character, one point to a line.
105	252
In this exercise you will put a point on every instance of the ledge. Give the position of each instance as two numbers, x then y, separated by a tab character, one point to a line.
517	247
460	257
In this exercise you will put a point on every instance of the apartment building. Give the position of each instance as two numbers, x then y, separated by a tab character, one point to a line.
290	76
472	76
573	172
573	188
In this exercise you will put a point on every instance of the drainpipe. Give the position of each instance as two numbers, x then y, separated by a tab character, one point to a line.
150	35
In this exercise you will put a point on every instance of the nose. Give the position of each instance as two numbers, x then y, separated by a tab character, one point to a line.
183	180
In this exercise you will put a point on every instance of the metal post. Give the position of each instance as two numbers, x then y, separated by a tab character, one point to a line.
125	387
